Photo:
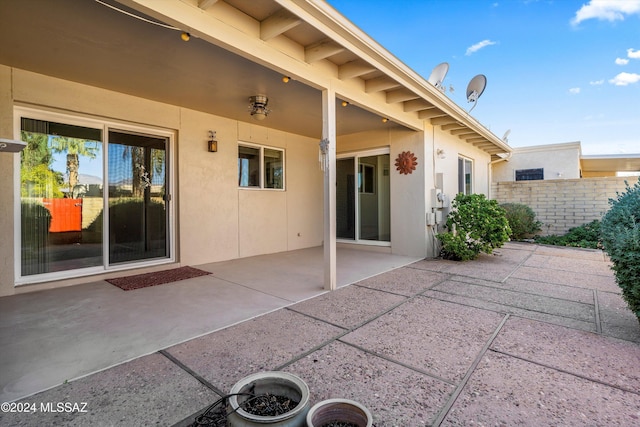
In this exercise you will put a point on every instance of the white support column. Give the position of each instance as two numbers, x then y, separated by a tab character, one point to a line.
329	134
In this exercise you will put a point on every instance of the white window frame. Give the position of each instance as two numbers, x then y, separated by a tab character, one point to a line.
105	125
261	149
462	173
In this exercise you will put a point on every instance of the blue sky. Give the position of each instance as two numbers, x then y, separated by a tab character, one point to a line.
557	70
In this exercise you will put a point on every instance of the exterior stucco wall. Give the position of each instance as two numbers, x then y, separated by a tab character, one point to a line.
560	161
215	219
408	233
453	148
7	185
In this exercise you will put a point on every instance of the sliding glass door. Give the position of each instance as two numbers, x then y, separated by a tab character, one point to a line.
137	199
362	197
88	202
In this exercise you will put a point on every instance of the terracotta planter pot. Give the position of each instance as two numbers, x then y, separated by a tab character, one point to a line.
341	410
276	383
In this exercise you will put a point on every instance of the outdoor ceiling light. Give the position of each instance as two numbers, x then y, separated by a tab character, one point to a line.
258	107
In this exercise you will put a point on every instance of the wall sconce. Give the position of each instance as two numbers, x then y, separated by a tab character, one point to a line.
212	144
258	107
344	103
285	79
11	145
385	120
440	153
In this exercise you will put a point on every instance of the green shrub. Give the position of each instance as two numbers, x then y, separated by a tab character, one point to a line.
583	236
620	233
476	224
522	220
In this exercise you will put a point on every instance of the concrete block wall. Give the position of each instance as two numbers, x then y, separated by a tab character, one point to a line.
564	203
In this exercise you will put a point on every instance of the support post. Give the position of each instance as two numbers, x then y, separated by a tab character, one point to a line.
329	134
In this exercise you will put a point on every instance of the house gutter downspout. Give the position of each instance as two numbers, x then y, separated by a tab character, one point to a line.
490	170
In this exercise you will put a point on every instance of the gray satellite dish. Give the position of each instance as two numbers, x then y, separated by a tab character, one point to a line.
505	137
438	74
475	88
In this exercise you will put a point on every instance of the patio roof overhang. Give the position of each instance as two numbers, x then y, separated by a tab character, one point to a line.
237	49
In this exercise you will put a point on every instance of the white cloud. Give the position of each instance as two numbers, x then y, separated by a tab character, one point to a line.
484	43
635	54
622	61
606	10
624	79
596	82
574	90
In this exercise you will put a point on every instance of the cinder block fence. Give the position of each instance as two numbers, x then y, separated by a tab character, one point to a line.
564	203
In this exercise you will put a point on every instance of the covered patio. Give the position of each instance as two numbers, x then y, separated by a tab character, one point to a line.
57	335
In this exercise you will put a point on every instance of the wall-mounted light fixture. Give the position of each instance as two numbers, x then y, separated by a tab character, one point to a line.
344	103
212	144
440	153
258	107
385	120
11	146
185	36
285	79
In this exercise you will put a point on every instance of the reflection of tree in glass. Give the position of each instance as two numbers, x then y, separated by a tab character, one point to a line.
36	176
143	175
74	148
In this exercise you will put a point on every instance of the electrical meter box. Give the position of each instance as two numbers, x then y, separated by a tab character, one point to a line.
436	198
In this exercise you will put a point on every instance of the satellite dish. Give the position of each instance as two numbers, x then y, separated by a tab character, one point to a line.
475	88
505	137
438	74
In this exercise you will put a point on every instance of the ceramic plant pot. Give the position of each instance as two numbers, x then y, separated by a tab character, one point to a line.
276	383
340	410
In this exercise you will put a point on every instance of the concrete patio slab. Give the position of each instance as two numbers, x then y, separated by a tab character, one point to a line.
568	252
616	318
432	336
598	358
567	278
405	281
505	309
261	344
569	264
395	395
507	391
146	391
349	307
517	299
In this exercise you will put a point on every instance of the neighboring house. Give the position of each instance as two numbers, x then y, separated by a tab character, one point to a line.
561	161
564	188
152	97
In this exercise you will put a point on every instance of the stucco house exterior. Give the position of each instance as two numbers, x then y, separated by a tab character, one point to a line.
142	151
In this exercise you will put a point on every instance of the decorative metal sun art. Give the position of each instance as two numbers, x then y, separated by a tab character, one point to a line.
406	162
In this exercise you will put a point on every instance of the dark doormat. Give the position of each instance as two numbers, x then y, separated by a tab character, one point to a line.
145	280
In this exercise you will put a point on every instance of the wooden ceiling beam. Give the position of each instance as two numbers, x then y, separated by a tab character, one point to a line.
453	126
206	4
379	84
400	95
354	69
278	23
416	105
322	50
431	113
446	120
